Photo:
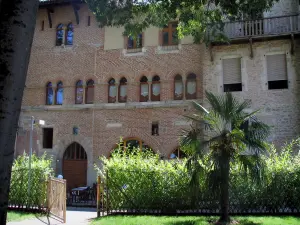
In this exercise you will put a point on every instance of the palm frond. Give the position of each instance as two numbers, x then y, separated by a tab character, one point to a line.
199	107
256	135
253	167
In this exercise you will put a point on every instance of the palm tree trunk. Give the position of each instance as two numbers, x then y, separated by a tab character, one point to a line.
17	23
224	188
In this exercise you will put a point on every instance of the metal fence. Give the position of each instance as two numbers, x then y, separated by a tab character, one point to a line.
144	193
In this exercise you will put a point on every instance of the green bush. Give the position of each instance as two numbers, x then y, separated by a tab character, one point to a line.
141	180
35	196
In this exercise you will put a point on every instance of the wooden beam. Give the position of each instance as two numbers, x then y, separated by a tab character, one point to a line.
76	8
292	44
49	11
251	48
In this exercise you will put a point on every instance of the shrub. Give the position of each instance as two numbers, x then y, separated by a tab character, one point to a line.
40	171
140	180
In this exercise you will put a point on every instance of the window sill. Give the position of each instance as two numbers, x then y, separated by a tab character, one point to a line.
64	47
134	52
168	49
128	105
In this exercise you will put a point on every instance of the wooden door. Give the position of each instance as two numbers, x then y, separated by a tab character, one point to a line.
75	166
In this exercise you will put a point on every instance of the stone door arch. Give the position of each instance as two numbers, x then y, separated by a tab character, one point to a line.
75	166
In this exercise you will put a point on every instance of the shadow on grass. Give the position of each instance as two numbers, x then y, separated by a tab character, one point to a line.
208	222
248	222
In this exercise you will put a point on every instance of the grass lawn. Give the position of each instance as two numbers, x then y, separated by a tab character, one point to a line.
191	220
18	216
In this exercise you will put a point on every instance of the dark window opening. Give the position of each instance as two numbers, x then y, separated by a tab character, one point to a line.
155	129
232	87
278	84
89	21
177	154
170	34
70	34
89	98
134	43
59	35
48	138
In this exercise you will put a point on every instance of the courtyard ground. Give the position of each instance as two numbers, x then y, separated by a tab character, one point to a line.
191	220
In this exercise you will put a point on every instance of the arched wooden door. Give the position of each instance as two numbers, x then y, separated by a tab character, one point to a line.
75	166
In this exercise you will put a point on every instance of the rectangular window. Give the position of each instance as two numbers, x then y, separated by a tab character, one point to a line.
170	34
47	137
155	129
277	71
232	75
133	43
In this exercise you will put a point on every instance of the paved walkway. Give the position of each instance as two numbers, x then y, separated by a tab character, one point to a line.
81	216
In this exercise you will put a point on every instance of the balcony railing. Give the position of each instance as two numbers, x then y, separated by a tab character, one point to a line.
272	26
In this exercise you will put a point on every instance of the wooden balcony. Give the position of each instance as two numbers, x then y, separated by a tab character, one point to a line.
263	28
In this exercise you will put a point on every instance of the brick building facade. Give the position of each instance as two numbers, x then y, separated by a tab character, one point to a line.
100	55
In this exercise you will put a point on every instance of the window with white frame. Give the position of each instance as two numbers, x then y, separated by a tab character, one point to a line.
232	74
277	71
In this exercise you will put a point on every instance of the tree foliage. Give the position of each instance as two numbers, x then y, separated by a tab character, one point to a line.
200	18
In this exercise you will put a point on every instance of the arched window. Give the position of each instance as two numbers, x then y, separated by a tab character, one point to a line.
128	144
60	34
178	88
89	98
49	94
112	91
155	95
177	154
191	87
123	90
69	34
144	89
59	93
79	92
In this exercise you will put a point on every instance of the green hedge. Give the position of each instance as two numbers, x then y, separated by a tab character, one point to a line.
140	180
34	197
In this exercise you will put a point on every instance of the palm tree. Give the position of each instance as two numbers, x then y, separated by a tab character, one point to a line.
222	134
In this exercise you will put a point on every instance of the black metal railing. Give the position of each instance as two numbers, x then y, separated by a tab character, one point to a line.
144	193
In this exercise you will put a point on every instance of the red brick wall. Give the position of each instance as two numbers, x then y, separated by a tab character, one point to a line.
85	60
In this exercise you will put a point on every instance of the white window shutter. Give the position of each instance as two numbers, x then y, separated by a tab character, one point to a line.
232	72
276	67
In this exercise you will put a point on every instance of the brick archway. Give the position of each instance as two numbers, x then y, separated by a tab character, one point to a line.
87	144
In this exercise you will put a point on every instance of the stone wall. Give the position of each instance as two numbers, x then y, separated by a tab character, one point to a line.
279	108
283	7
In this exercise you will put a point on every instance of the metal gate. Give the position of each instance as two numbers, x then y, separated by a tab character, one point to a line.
57	198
